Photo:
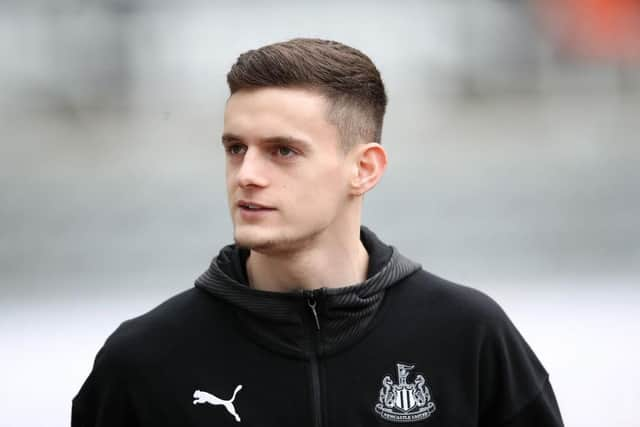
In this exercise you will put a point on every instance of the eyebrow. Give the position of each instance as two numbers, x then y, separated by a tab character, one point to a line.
230	138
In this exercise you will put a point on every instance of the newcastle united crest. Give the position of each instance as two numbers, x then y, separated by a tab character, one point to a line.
405	402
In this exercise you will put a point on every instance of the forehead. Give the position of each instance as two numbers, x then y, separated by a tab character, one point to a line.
277	111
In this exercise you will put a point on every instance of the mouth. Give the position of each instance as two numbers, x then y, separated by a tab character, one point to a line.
253	207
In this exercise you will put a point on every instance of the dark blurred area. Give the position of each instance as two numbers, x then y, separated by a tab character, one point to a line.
512	131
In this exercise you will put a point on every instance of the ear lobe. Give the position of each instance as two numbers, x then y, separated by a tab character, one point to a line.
370	164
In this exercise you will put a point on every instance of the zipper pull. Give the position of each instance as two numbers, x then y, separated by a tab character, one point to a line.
311	302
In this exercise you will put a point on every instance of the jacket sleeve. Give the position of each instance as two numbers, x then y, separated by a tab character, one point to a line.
514	386
103	398
541	411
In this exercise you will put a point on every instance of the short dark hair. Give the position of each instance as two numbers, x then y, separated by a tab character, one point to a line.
346	77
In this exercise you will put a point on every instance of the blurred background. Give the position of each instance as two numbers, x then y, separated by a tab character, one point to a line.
513	135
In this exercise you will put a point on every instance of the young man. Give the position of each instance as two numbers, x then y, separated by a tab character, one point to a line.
309	319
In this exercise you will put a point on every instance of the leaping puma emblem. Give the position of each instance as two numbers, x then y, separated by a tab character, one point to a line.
204	397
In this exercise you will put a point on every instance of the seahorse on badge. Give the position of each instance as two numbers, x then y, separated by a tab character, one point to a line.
421	393
387	395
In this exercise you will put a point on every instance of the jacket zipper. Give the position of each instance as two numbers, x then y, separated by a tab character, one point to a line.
312	303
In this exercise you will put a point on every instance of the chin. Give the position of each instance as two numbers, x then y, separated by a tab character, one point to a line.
255	238
271	241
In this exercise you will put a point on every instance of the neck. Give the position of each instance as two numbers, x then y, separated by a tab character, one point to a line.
332	260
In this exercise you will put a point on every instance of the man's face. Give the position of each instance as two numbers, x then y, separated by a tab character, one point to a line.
287	176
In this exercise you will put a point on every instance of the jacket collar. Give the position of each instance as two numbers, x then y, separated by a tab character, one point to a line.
285	321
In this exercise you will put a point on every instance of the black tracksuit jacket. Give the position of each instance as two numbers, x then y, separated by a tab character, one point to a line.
403	347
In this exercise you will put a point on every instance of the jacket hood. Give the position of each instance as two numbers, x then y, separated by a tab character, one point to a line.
285	322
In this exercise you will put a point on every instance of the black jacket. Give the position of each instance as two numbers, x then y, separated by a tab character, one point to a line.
402	347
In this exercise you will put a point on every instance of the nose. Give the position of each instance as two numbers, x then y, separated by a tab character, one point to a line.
251	171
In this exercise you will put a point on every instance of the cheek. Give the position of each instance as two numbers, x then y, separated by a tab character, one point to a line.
227	175
335	182
230	177
229	186
324	191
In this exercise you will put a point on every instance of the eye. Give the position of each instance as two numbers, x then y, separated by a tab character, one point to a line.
235	149
284	151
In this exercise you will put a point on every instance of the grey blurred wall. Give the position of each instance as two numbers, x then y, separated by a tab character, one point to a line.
513	169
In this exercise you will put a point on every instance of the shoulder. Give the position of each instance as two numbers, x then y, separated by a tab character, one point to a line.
165	317
448	300
477	317
465	321
153	333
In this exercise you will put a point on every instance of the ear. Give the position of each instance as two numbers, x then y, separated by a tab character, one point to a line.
369	163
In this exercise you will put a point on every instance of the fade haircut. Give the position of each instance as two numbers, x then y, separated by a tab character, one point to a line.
346	77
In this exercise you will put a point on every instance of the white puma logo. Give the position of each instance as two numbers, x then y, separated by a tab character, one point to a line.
204	397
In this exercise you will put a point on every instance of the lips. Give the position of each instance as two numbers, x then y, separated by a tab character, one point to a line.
253	212
253	206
